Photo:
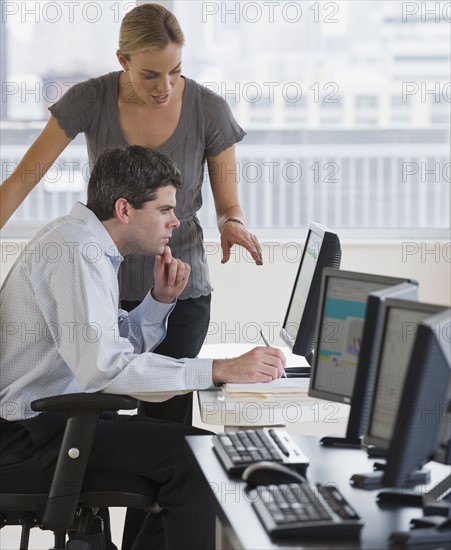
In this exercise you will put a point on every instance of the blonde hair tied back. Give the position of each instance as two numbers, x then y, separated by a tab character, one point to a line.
146	27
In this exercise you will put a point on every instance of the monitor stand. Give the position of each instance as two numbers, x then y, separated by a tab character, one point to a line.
376	452
353	442
298	372
429	537
310	357
374	480
402	497
437	501
430	531
348	442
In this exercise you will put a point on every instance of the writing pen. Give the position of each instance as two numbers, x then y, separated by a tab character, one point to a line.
265	340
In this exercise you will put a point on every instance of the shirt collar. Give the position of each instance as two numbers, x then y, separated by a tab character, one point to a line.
103	239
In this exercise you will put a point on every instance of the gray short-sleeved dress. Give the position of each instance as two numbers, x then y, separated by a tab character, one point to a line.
206	128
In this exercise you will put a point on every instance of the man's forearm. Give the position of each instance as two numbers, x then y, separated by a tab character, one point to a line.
145	326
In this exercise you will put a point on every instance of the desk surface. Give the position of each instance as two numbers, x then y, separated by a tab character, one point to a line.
255	411
243	528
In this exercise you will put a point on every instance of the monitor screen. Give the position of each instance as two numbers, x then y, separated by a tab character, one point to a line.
344	297
395	352
398	341
411	391
302	286
322	249
366	365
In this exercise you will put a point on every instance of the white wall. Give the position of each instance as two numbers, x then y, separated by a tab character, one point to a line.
248	297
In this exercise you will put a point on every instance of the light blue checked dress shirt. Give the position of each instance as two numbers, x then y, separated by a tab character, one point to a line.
62	331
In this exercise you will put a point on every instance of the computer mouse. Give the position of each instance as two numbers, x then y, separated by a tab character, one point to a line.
270	473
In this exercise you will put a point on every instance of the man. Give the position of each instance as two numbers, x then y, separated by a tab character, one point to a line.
62	332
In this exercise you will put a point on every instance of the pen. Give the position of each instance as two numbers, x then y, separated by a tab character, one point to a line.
284	375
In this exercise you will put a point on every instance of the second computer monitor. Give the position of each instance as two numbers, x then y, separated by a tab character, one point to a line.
322	249
412	376
342	314
409	397
349	312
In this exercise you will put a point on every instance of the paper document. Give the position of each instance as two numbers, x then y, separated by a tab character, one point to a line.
295	386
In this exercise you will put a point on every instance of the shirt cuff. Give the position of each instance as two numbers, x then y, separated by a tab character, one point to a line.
199	374
151	310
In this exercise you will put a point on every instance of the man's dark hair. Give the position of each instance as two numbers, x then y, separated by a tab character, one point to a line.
133	173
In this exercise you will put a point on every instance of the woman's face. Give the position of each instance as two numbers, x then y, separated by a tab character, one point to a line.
153	75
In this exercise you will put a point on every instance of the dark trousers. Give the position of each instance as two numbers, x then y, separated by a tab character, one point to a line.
187	328
138	445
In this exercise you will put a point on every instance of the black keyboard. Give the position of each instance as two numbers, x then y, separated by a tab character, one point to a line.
237	450
297	509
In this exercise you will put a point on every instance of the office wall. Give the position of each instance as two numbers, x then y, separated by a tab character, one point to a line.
248	297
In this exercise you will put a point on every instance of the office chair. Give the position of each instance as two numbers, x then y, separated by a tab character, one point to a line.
70	502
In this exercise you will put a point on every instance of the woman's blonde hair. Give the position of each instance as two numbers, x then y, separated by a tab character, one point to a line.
146	27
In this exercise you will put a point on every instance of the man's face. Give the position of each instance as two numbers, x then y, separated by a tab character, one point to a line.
151	226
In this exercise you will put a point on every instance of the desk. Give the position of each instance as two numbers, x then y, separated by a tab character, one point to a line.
243	528
305	413
315	415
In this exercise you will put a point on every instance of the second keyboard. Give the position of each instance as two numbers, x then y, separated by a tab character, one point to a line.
239	449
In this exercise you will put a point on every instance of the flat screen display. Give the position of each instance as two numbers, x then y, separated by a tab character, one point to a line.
302	285
340	335
397	344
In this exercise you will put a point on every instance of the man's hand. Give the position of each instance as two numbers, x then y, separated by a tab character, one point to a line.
171	276
261	364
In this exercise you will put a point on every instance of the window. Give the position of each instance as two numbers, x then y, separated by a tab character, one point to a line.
366	101
349	93
401	102
366	72
46	48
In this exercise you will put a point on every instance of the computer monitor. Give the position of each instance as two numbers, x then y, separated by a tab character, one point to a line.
364	376
412	372
349	317
322	249
438	499
425	413
411	389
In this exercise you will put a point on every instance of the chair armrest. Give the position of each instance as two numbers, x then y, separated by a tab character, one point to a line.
84	401
83	411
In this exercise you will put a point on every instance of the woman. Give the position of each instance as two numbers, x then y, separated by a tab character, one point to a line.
150	103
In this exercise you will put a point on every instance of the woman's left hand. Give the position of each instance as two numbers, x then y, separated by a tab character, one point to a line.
234	233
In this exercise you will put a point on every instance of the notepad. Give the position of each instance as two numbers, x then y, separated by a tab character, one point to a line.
281	386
